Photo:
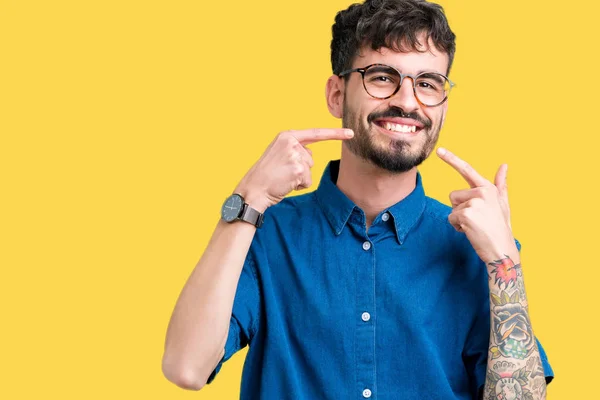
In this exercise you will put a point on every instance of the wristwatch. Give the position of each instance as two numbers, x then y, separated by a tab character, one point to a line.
235	208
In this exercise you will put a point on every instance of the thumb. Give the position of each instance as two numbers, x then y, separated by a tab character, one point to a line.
500	181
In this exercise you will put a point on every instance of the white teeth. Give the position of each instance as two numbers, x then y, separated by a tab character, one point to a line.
400	128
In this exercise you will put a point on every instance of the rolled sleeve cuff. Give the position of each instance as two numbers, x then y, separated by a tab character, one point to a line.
231	347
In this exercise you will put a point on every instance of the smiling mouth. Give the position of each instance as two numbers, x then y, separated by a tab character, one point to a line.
397	128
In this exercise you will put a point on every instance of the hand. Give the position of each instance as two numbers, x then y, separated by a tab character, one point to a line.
284	166
482	212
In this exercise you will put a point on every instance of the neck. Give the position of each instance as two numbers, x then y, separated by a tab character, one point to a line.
370	187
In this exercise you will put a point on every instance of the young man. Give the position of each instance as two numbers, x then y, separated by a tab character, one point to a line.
365	288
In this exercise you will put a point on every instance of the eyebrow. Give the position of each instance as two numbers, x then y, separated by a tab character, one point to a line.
423	71
434	76
420	71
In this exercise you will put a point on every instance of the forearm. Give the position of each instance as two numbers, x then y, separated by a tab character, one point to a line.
514	369
200	321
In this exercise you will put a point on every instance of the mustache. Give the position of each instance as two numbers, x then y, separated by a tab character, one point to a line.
398	113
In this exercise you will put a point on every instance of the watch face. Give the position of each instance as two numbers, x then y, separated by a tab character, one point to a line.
232	207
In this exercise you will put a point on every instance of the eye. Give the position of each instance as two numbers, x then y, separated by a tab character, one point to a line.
431	82
426	85
383	78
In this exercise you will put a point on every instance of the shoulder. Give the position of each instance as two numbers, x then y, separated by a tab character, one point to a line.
436	211
436	225
292	206
289	215
286	225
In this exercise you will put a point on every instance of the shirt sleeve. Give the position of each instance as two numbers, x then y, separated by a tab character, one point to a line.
245	314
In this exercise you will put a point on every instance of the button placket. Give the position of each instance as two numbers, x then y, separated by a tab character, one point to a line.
365	328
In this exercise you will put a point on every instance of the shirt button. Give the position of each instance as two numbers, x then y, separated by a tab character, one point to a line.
385	217
366	393
366	316
366	245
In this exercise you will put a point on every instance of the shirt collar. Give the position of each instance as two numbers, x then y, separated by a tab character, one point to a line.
337	207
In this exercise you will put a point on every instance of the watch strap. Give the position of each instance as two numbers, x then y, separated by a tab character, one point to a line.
252	216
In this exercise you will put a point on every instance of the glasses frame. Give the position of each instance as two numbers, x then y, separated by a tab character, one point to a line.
413	78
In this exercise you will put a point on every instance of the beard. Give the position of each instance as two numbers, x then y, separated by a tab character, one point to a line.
401	155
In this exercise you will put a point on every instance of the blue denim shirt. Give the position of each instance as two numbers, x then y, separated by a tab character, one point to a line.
331	311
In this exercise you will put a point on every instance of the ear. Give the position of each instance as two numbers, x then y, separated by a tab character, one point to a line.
334	94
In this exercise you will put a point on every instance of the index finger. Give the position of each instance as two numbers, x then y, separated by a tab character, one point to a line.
309	136
464	168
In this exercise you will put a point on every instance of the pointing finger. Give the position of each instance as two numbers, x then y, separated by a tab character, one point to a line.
309	136
471	176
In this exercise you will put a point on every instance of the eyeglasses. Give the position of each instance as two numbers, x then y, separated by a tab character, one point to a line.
382	82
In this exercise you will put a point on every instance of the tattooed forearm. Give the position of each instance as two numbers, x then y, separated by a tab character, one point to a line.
514	367
505	272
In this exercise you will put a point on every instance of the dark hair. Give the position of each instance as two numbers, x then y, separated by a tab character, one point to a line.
394	24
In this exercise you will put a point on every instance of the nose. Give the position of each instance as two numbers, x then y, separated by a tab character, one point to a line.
405	97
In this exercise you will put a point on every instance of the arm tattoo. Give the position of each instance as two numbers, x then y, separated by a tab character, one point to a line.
505	271
515	371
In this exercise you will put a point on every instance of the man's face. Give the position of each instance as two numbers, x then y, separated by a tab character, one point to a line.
371	118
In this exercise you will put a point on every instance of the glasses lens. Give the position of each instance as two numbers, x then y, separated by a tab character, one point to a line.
381	81
432	88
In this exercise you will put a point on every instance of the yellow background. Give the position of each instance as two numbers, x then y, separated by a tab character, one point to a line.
124	124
